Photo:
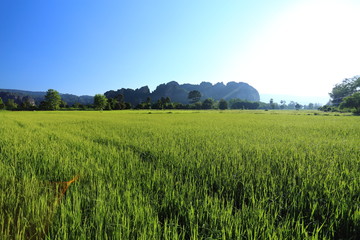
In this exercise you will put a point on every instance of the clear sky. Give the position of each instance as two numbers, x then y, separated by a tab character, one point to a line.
293	47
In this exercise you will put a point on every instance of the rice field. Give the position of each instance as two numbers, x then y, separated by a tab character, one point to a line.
179	175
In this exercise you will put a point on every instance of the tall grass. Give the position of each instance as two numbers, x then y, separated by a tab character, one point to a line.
184	175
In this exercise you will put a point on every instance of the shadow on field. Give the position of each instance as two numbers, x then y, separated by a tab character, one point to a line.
144	155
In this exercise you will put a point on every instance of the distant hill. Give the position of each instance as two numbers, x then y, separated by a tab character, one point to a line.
179	92
175	91
37	97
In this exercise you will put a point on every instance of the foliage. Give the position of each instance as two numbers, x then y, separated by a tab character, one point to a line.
352	102
162	103
2	105
100	101
291	105
76	105
346	88
112	103
63	104
223	104
310	106
127	105
197	105
227	175
208	103
52	100
27	104
194	96
11	105
115	103
328	108
107	106
282	104
242	104
272	104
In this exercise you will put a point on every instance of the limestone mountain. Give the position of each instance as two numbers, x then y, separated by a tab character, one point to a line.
175	91
179	92
231	90
130	95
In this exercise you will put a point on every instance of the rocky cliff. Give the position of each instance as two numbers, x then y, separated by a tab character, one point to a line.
179	92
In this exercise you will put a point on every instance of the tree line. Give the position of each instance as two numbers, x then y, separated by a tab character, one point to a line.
291	105
53	101
345	96
117	103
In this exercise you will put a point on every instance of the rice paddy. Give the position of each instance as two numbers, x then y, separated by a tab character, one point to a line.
179	175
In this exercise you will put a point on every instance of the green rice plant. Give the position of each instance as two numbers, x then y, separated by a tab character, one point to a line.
185	175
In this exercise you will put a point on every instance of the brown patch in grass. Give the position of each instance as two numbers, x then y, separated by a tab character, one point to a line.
62	187
59	190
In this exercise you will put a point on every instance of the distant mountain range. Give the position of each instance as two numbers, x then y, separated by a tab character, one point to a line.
36	97
175	91
179	92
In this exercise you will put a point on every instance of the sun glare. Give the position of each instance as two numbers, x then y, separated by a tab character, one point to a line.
306	50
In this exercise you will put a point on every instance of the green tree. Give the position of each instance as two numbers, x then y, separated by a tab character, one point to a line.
11	105
76	105
52	100
63	104
272	104
297	106
2	105
147	104
100	101
27	103
160	104
353	102
112	103
291	105
208	103
223	104
119	102
168	103
344	89
197	105
108	105
127	105
237	103
194	96
167	100
282	104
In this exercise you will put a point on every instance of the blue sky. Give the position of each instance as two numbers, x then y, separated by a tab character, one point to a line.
293	47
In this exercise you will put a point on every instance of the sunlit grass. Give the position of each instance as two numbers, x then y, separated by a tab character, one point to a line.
180	175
